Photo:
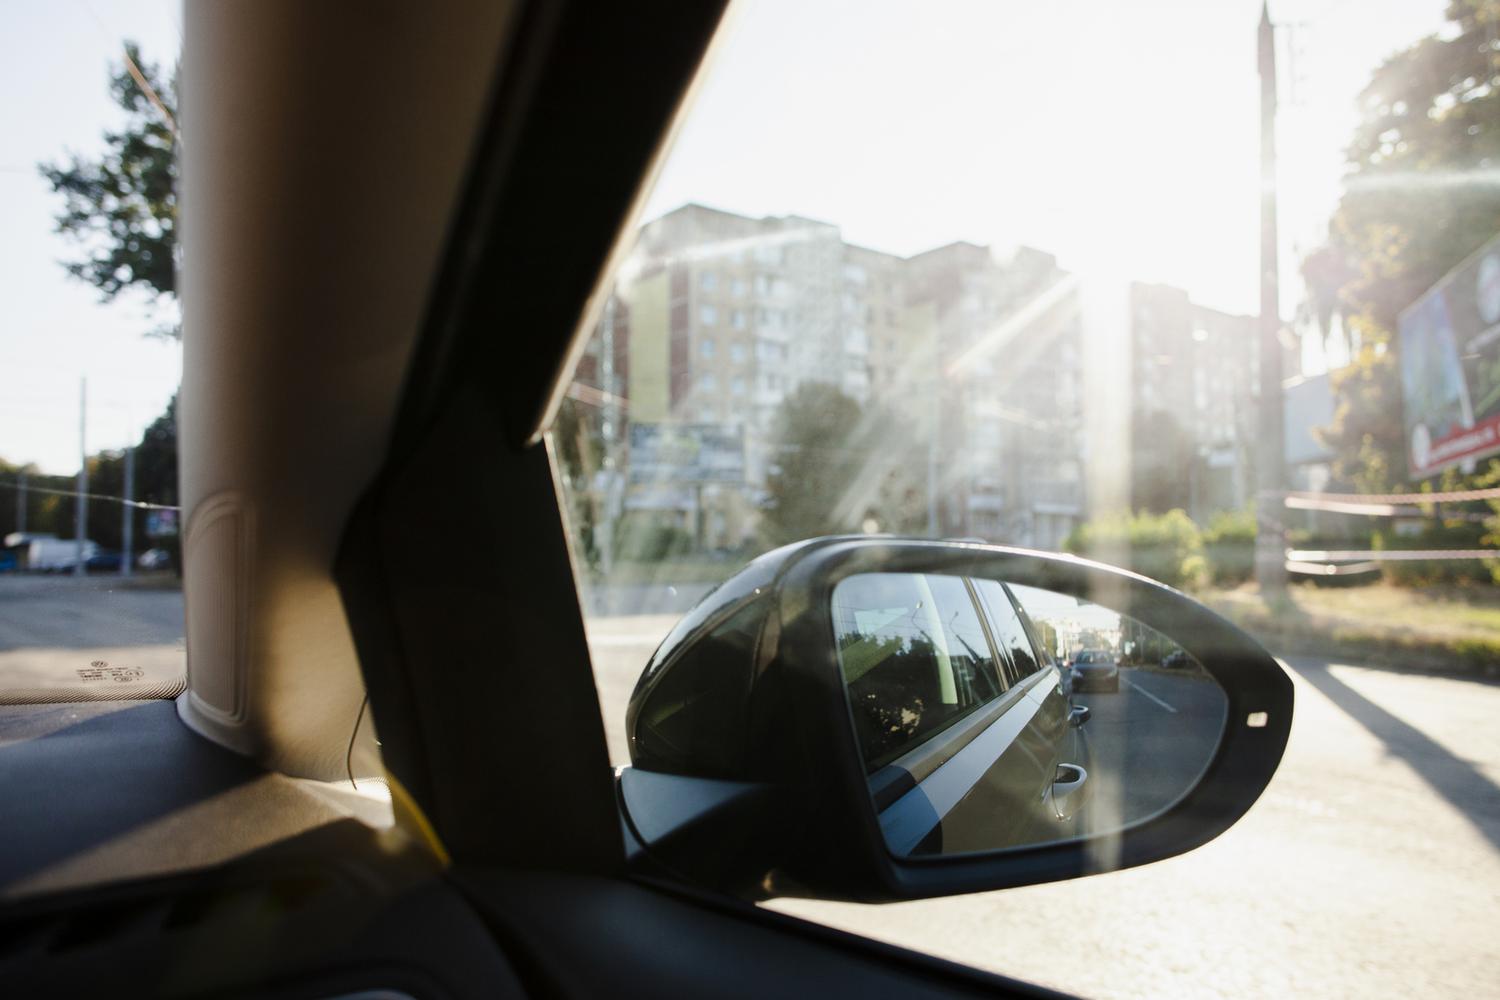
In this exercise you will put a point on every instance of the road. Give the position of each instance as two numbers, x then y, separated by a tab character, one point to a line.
1371	866
58	631
1147	742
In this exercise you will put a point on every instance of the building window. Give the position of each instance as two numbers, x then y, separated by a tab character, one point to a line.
737	319
708	280
737	352
737	385
707	382
708	315
738	288
706	349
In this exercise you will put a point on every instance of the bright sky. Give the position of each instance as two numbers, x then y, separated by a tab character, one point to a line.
53	331
1122	137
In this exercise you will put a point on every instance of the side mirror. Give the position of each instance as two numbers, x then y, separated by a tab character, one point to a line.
880	719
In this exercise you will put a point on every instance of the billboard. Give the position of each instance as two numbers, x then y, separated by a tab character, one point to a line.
1450	367
686	453
161	524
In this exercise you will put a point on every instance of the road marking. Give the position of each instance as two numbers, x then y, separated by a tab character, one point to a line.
1148	694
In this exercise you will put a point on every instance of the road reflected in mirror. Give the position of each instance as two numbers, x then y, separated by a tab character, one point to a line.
992	715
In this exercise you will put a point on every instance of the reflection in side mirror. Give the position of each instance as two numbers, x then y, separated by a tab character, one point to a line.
973	734
845	710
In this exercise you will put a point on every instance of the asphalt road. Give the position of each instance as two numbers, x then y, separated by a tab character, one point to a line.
1370	868
57	631
1147	743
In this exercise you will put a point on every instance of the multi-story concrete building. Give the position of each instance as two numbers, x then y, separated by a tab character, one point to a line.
1008	391
728	315
1194	390
973	358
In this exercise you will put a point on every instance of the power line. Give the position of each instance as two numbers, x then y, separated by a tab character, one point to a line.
139	504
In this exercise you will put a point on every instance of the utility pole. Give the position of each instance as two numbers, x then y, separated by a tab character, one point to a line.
21	502
81	508
610	430
127	516
1270	556
934	435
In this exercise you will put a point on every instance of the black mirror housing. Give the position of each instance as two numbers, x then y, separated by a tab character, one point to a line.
761	729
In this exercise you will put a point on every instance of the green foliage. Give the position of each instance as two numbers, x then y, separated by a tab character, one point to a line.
54	513
1452	534
1367	437
578	443
649	537
1166	547
837	465
1414	207
121	209
1229	546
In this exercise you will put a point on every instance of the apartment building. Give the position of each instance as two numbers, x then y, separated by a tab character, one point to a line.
974	357
1008	389
1195	388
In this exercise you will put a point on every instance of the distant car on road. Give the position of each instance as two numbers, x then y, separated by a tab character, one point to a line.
1096	670
1178	660
48	554
154	559
103	562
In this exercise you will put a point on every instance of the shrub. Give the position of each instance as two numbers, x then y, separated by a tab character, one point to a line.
1436	535
1166	547
1229	546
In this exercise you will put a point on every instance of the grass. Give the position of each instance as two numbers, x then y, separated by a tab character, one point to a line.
1448	629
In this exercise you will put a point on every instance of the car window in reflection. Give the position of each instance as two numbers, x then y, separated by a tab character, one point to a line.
915	658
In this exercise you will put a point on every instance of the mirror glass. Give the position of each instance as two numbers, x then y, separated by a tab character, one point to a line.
992	715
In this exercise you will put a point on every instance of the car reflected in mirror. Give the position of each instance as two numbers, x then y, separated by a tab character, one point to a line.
966	696
844	712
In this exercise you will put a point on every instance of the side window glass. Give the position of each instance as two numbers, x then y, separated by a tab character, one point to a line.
1005	625
914	656
697	711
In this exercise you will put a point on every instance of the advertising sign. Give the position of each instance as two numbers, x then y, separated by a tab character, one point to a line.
1450	367
161	524
686	453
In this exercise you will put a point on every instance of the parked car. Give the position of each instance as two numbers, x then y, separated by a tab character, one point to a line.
104	561
1177	660
154	559
1096	670
57	555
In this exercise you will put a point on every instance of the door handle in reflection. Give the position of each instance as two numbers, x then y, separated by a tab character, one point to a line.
1070	790
1078	716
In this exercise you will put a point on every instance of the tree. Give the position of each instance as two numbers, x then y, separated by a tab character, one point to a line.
579	442
1412	209
838	466
120	210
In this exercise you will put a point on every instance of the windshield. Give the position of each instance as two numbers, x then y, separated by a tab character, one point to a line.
1203	291
90	596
